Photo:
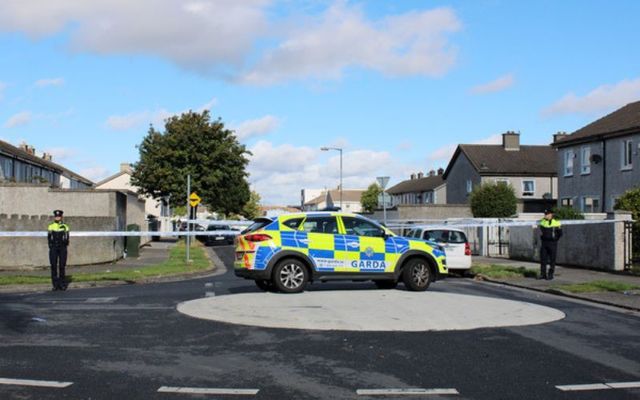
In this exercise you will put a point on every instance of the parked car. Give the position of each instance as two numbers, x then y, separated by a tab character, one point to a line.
454	241
287	252
226	236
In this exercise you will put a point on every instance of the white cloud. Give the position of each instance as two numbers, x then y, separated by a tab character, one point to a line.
414	43
95	173
279	172
49	82
497	85
141	118
61	153
442	155
246	41
19	119
256	127
601	99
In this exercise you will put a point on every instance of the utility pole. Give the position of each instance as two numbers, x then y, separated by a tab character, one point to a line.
340	150
188	216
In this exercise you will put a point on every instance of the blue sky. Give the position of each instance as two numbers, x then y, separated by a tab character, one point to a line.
397	84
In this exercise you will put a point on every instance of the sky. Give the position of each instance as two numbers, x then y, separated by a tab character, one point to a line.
396	84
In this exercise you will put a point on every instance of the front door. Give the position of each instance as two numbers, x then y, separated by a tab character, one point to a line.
365	246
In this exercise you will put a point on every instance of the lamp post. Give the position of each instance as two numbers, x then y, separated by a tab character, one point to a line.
340	150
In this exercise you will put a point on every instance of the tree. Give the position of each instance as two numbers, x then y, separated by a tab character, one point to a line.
251	209
567	213
369	199
493	200
630	201
209	152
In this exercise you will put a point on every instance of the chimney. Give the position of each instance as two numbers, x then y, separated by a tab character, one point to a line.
440	171
413	176
511	141
420	175
432	173
560	135
26	148
47	156
125	167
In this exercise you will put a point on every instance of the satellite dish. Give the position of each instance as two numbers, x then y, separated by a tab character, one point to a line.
595	158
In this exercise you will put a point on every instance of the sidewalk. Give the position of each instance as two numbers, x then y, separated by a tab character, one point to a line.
566	275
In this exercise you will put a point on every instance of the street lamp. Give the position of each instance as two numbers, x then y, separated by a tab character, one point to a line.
340	150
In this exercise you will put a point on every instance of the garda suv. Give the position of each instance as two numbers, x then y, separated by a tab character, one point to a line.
287	252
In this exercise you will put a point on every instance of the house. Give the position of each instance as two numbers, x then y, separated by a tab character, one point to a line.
350	200
599	162
420	189
274	211
531	170
22	165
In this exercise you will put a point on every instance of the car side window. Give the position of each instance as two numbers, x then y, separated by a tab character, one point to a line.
457	237
439	236
417	233
320	225
293	223
361	227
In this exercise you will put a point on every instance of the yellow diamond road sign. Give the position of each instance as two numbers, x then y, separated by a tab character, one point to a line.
194	199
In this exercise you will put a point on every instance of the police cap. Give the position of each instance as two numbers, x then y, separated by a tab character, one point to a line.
548	211
58	213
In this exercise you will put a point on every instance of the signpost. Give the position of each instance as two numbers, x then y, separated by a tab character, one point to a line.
382	181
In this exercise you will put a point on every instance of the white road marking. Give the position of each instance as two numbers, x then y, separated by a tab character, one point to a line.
218	391
209	294
31	382
101	299
623	385
578	388
404	392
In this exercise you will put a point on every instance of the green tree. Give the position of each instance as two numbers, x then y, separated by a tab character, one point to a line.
251	210
630	201
567	213
493	200
193	144
369	199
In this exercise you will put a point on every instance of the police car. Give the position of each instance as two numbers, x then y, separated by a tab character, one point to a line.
286	252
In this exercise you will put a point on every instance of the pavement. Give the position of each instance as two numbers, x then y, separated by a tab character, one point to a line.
152	253
571	275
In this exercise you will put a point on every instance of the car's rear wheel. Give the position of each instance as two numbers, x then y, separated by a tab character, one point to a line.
290	276
386	284
416	275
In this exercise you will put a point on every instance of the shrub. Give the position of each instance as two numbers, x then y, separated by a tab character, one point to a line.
493	200
567	213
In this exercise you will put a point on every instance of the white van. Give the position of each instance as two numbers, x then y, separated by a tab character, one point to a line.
453	240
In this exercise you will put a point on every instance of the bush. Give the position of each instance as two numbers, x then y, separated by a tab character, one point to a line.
567	213
493	200
630	201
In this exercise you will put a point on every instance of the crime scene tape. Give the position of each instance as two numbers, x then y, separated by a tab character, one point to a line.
237	232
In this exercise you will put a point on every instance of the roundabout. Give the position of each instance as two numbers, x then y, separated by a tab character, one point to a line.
375	310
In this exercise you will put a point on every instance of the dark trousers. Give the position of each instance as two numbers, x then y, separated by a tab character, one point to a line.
548	251
58	261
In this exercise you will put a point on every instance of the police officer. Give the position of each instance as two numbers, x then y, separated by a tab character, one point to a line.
550	233
58	236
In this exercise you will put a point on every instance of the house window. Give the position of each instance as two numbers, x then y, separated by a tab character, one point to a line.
502	180
627	154
528	187
585	155
566	202
469	186
568	162
590	204
428	197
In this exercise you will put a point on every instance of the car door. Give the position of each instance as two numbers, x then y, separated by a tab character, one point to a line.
365	246
453	249
320	238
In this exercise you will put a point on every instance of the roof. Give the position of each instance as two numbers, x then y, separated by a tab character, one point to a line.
112	177
349	195
283	208
18	152
494	160
423	184
621	121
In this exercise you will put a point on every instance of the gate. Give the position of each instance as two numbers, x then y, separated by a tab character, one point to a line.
631	253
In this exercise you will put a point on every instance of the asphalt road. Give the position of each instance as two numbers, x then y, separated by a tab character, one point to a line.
127	342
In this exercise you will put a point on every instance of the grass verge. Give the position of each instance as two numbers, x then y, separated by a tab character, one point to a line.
597	286
175	265
502	271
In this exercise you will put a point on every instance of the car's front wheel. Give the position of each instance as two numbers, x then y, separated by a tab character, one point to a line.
290	276
416	275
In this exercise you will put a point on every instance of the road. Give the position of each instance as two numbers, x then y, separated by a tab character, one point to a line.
129	341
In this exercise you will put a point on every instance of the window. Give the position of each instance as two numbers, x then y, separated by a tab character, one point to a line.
292	223
585	158
469	186
568	163
428	198
566	202
590	204
627	154
502	180
445	236
361	227
528	187
320	225
417	233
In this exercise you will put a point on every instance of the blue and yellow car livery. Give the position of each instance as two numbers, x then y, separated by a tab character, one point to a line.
288	251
